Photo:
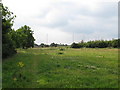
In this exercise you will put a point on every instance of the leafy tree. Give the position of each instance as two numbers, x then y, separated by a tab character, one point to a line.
25	37
53	45
15	38
75	45
36	45
98	44
115	43
42	45
8	48
109	43
118	43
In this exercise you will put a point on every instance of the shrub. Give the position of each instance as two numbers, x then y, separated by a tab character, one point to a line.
75	45
60	52
61	49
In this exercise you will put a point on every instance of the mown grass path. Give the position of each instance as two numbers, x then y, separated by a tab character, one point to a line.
70	68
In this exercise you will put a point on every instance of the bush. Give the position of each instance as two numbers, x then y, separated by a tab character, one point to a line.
60	52
75	45
115	43
61	49
8	50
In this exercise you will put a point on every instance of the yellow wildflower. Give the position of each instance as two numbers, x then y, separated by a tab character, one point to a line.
21	64
14	79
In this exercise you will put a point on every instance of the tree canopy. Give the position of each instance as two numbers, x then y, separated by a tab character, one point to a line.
115	43
8	48
12	39
23	37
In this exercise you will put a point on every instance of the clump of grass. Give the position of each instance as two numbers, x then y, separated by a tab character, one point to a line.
79	65
90	67
67	66
100	56
60	53
61	49
58	65
42	82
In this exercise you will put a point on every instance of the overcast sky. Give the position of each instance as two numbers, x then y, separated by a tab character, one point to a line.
59	19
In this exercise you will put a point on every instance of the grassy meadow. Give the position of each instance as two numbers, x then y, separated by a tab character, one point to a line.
61	68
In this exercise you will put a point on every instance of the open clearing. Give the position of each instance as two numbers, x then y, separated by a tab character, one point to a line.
67	68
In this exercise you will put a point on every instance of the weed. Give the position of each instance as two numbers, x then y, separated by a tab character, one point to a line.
61	49
60	53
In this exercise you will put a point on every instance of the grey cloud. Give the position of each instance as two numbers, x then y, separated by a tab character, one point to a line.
107	10
106	24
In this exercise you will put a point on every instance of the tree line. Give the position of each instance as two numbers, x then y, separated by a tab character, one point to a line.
51	45
12	39
115	43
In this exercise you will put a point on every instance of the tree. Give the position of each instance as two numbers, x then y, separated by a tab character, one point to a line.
53	45
8	48
42	45
15	38
98	44
75	45
115	43
36	45
25	37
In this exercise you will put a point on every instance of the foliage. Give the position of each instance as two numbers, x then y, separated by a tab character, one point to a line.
74	45
43	45
36	45
115	43
20	64
53	45
60	52
8	48
11	39
24	37
61	49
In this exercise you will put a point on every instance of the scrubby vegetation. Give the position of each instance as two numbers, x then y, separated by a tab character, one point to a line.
51	45
12	39
115	43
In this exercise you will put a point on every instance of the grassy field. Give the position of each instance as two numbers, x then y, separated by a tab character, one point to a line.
55	68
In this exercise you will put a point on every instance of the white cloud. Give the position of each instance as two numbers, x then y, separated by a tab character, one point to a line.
54	35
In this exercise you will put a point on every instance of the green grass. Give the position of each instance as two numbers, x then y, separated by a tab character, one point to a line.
68	68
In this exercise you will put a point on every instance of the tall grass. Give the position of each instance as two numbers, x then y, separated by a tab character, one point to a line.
74	68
